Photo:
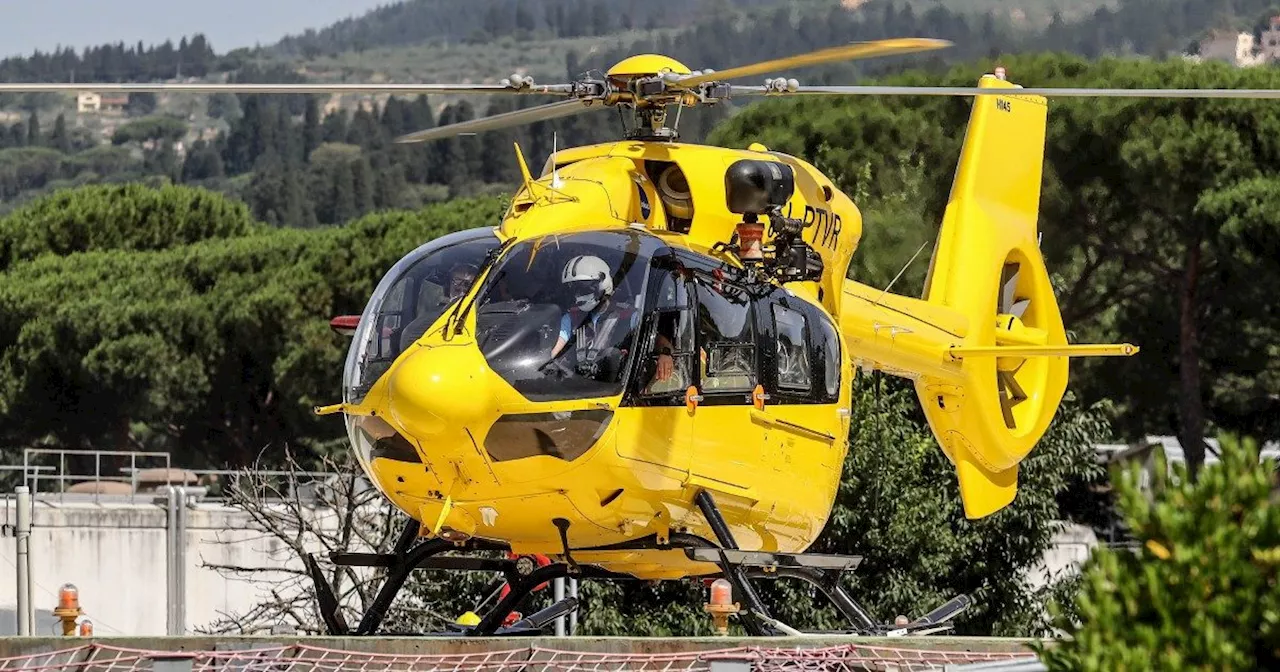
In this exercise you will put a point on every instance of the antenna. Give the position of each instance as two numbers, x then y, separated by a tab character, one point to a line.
555	174
899	275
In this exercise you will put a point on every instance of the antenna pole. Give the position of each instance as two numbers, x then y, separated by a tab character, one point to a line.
555	173
899	275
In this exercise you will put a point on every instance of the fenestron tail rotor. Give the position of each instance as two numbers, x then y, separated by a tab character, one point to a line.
1010	310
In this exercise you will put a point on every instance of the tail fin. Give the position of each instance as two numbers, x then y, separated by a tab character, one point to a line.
987	267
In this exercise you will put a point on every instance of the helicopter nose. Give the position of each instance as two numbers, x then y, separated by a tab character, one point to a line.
438	388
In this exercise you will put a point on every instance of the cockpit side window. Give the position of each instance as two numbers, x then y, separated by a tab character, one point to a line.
828	350
560	315
803	356
671	350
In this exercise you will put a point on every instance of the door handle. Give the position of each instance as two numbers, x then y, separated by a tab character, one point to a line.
691	398
765	418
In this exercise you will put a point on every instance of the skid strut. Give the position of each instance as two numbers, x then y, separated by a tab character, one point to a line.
734	572
524	575
521	576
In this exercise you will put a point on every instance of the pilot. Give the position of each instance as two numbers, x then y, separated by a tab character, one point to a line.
460	278
595	318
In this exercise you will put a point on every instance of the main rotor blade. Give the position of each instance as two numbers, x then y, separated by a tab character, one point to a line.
550	89
563	108
974	91
847	52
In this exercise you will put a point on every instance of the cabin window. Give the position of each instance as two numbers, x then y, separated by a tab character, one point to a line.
793	356
726	329
828	346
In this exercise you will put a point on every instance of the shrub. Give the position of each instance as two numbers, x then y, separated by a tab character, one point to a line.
1200	591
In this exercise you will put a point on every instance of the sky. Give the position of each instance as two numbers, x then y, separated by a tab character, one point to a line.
227	24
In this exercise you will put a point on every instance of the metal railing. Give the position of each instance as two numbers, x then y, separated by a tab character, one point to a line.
51	473
62	476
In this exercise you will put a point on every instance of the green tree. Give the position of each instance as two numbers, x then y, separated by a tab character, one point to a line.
123	217
344	193
33	130
59	139
1202	591
165	319
268	190
362	184
156	129
311	132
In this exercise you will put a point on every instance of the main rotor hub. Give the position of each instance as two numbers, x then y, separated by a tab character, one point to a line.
646	65
648	84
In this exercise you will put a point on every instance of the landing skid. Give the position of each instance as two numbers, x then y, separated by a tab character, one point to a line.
522	576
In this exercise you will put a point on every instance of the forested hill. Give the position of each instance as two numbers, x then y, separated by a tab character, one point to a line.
417	21
303	162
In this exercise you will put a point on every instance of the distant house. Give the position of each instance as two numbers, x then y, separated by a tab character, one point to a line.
1230	46
1144	453
1270	42
88	102
115	103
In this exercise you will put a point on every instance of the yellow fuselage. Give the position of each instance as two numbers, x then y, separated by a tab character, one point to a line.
453	443
773	470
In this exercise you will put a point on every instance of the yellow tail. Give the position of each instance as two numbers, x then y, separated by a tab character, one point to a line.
987	267
986	345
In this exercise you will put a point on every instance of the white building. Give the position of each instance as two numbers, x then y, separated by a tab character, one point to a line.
1236	48
88	102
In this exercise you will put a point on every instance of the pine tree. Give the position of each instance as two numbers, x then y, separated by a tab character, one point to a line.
344	198
362	186
33	130
334	128
267	192
390	187
497	156
59	139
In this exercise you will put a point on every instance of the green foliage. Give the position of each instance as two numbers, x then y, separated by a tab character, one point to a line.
27	168
150	128
124	217
1202	591
183	326
899	507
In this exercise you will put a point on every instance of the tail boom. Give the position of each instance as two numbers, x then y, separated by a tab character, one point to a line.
986	346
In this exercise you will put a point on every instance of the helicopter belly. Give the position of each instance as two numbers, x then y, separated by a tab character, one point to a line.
609	498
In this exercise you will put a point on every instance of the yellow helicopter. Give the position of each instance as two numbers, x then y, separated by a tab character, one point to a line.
644	370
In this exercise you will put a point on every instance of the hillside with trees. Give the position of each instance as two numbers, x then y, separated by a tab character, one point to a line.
1153	213
263	149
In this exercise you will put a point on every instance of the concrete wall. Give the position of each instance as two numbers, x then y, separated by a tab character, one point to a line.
116	555
1071	547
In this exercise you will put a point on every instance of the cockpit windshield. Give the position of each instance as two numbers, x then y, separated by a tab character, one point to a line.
409	299
559	316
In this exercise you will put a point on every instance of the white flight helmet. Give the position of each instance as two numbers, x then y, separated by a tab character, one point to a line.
588	278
